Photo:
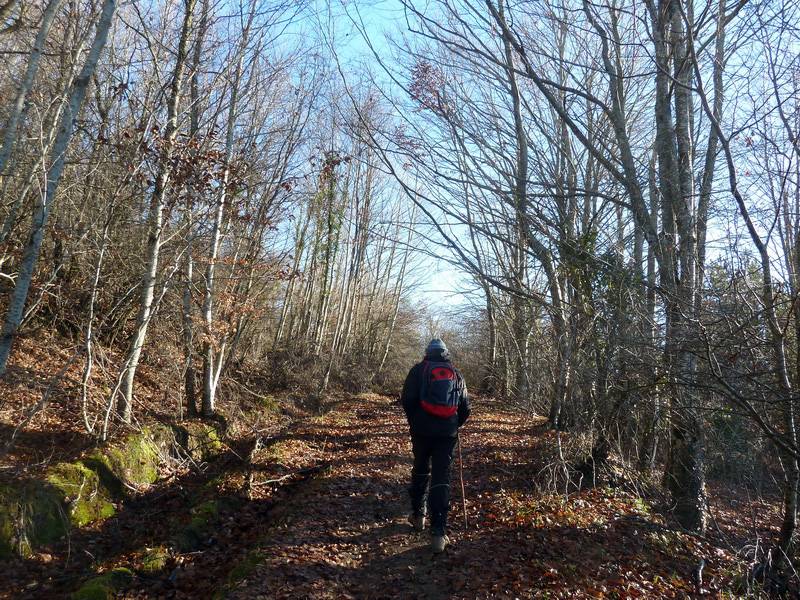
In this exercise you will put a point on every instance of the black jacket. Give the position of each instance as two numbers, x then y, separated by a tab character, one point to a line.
421	422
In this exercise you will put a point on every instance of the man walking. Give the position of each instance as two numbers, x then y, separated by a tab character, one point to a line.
436	405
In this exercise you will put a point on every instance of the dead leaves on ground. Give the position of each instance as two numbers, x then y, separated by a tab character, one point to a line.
340	532
348	538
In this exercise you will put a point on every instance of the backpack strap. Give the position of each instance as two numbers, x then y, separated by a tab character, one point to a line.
426	368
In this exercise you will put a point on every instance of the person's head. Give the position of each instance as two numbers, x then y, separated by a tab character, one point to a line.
437	350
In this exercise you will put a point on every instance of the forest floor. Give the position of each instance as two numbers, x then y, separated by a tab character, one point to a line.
317	509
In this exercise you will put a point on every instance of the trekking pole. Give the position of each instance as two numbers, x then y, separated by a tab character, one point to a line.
461	474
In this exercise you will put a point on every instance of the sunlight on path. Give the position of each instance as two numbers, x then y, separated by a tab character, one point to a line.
345	533
348	535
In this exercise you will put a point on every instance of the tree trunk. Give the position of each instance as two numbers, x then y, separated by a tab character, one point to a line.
19	108
156	222
58	157
209	381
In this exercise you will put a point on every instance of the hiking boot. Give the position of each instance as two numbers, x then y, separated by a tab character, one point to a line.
438	543
417	522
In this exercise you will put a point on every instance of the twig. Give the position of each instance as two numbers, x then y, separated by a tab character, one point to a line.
461	474
306	471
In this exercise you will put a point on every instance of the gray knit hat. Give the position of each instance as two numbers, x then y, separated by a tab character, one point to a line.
437	346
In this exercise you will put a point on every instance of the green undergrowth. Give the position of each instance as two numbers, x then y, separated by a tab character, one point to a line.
154	560
105	586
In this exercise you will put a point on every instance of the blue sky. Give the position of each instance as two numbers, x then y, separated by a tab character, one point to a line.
440	283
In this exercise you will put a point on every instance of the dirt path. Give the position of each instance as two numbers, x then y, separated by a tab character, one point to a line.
319	511
346	535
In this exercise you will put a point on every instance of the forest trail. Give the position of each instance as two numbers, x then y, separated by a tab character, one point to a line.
318	510
346	534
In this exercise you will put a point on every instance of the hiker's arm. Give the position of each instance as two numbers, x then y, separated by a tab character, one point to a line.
464	409
410	396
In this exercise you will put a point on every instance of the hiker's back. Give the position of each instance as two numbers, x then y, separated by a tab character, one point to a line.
435	402
434	398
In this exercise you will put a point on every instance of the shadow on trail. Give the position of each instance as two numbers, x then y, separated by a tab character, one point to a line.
354	540
186	515
343	532
351	539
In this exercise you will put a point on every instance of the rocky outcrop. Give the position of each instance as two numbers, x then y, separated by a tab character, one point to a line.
41	510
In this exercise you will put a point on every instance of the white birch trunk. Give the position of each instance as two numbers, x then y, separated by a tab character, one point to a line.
19	109
30	255
156	218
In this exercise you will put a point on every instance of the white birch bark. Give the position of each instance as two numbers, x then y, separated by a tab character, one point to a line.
19	108
41	214
156	224
212	369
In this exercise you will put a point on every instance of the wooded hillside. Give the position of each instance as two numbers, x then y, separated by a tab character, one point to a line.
223	219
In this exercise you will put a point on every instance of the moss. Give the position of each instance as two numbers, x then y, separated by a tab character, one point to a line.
36	513
154	560
136	461
269	403
31	514
87	501
201	440
215	484
45	516
641	506
102	465
244	568
39	512
332	418
204	513
203	516
240	572
105	586
7	529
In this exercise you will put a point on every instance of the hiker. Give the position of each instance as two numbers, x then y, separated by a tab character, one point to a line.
435	402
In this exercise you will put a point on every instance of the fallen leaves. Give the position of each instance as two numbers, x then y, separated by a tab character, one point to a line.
340	532
599	543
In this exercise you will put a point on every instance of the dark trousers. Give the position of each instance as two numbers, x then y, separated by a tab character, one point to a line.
433	456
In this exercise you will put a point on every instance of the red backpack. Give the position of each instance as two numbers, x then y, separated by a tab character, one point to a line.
441	389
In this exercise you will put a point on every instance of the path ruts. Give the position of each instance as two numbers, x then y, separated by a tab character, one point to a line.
347	535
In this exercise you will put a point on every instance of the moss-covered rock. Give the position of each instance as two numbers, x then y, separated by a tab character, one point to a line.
44	516
31	514
105	586
74	494
86	500
154	560
203	518
41	511
136	461
101	464
201	441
